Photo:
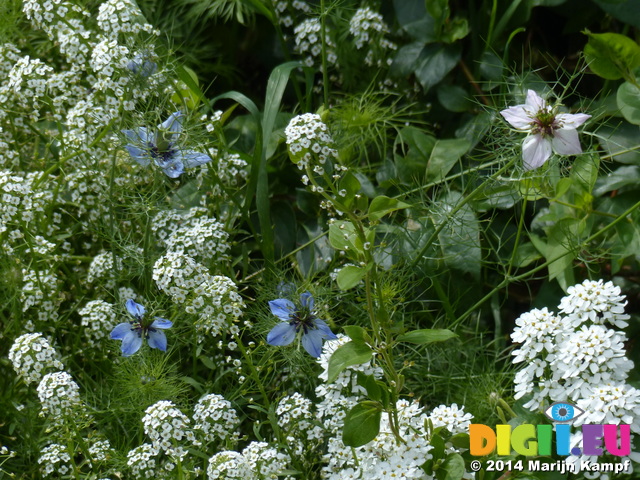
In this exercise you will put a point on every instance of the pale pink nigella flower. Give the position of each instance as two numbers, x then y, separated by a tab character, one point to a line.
548	131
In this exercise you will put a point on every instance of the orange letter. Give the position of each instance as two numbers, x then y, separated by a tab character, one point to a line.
482	440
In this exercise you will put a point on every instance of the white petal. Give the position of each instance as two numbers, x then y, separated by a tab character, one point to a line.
536	101
519	117
535	151
568	120
566	142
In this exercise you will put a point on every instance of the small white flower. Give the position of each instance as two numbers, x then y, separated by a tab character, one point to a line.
548	131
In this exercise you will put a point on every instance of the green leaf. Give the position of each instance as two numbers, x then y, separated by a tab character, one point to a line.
426	335
611	55
620	178
362	424
381	205
459	237
525	255
343	236
350	276
454	98
434	62
413	18
628	99
584	172
371	385
350	186
621	141
352	353
452	468
357	334
444	156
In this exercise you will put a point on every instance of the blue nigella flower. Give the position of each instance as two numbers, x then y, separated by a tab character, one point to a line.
141	65
132	332
297	321
160	147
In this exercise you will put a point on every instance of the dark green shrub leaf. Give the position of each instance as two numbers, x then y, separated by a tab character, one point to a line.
362	424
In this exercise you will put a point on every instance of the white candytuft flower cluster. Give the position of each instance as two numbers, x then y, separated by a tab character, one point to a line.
596	302
168	427
55	458
214	299
369	29
451	417
59	396
215	418
308	43
98	319
32	355
570	355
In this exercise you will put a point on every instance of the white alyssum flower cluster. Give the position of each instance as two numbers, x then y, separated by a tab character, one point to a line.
213	298
32	355
369	29
288	10
103	269
215	419
309	142
258	461
570	355
145	462
98	319
59	395
192	233
296	419
308	43
54	458
167	427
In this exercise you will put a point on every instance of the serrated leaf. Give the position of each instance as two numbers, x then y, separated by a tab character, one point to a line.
362	424
425	336
352	353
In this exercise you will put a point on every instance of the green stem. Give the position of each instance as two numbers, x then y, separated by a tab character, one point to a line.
456	209
517	278
323	34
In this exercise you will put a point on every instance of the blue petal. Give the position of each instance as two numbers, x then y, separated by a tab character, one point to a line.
142	136
324	328
173	167
120	331
282	334
135	309
306	300
282	308
131	343
312	342
139	155
157	339
173	125
161	323
193	159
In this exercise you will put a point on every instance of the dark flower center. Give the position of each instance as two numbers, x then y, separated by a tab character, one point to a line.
304	320
162	156
545	123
